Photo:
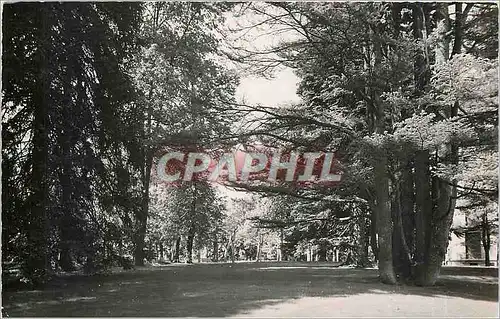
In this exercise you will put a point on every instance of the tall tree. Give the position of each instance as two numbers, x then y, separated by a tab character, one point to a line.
373	84
63	69
181	85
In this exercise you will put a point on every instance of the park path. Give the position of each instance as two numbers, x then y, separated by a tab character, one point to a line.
256	290
378	304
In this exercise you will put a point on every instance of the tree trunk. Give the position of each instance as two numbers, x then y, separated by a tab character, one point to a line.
362	260
322	252
142	214
381	179
439	233
384	222
189	246
160	248
443	27
445	190
407	202
421	65
458	30
281	246
233	234
177	250
226	252
423	212
198	254
259	246
366	262
215	256
404	223
373	235
400	250
485	231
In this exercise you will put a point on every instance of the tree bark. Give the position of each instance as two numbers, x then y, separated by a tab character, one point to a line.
439	233
281	257
444	194
458	32
233	234
142	213
421	66
215	256
177	250
400	250
160	248
322	252
373	235
198	254
361	237
384	222
189	246
259	246
486	239
423	212
443	27
407	202
381	178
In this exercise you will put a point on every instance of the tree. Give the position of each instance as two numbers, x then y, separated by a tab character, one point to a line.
181	85
196	209
374	91
60	86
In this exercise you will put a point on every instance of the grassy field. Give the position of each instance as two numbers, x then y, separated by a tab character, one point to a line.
257	290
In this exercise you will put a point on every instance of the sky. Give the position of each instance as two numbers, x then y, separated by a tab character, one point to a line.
281	88
269	92
278	90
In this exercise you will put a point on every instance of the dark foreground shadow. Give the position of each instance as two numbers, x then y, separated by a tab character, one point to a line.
224	289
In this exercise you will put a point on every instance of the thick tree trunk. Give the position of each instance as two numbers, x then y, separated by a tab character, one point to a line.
381	179
160	248
439	233
177	250
423	212
444	190
400	250
404	224
407	202
384	222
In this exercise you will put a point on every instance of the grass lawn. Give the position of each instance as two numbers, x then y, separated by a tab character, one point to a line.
257	290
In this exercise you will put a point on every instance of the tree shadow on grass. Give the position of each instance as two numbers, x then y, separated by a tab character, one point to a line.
220	290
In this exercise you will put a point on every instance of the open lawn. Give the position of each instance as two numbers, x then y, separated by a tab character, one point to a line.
258	290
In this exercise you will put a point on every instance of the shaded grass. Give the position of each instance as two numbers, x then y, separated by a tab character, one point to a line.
180	290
